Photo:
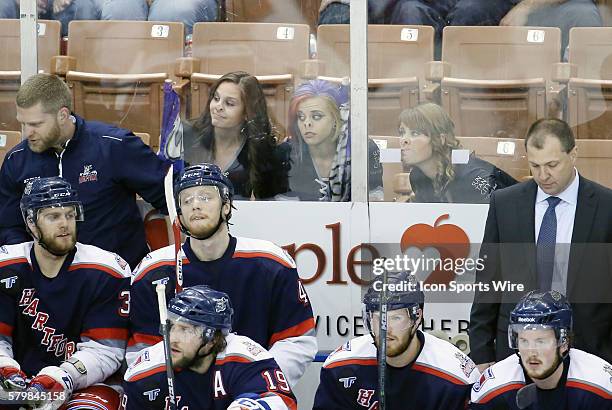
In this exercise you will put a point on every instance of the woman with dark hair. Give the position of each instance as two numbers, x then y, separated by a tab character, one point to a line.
440	170
235	133
320	135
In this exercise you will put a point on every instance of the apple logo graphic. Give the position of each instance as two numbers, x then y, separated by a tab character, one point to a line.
450	241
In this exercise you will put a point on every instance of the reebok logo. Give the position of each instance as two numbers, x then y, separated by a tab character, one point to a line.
526	319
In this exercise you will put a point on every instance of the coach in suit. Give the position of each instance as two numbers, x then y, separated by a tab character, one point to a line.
552	232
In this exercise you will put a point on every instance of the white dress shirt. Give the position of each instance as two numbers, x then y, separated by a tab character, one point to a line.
566	212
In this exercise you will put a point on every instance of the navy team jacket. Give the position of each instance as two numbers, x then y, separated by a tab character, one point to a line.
108	166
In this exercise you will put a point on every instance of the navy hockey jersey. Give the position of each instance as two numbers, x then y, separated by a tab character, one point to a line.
45	320
270	304
242	369
586	384
108	166
439	379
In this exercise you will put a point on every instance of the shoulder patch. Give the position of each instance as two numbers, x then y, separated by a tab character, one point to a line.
441	358
150	361
92	257
591	373
259	248
466	364
486	375
14	254
359	351
242	349
153	260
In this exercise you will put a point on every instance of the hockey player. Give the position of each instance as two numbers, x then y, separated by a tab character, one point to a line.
271	305
64	306
214	369
423	372
548	373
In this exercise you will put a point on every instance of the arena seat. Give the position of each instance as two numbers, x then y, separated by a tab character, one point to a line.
273	11
390	157
496	81
10	63
271	52
397	66
116	70
590	89
8	139
146	138
595	160
507	154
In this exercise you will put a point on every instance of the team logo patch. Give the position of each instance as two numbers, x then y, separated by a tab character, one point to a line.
466	364
221	305
347	382
608	369
89	174
142	358
252	347
555	295
486	375
346	347
120	261
28	185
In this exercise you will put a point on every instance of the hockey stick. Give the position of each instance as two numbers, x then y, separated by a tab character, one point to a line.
382	348
526	396
165	331
176	229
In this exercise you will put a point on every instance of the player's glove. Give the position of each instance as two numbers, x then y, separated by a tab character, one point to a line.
249	401
55	384
11	376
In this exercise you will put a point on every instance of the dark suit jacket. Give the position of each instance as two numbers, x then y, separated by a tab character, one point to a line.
509	247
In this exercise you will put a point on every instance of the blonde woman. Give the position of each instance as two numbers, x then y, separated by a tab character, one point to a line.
320	135
427	141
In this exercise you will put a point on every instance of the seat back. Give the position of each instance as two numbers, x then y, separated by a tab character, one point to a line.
397	63
506	154
10	63
274	11
498	77
501	53
272	52
390	157
595	160
146	138
120	70
590	93
8	139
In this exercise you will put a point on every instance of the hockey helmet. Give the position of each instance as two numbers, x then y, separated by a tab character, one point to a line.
48	193
204	307
403	293
541	310
204	175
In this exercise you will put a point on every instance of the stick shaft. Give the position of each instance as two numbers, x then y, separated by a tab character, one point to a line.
382	348
163	321
176	230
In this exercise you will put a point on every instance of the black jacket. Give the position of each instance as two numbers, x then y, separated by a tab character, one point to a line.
473	183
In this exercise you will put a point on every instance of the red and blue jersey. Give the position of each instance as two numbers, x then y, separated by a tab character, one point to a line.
270	303
243	369
440	378
45	321
586	384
